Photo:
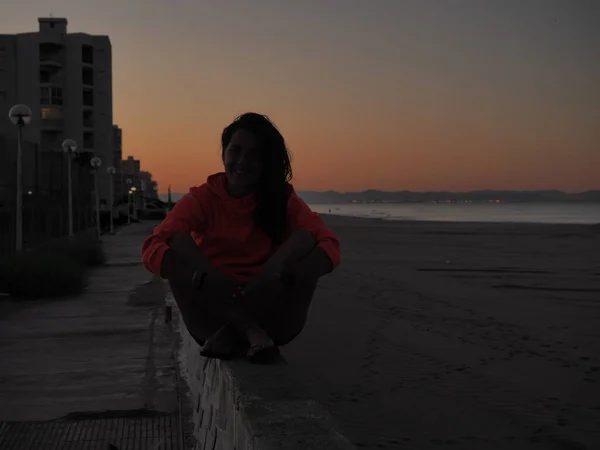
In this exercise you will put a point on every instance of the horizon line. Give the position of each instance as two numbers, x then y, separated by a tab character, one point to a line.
428	192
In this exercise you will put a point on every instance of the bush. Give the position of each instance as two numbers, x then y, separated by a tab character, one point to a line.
152	214
56	268
87	250
5	268
36	274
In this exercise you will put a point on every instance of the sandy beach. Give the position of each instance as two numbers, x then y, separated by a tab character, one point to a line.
473	336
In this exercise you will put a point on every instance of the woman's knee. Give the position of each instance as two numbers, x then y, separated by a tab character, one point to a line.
301	291
284	335
287	320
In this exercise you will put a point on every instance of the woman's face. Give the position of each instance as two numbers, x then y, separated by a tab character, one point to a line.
242	162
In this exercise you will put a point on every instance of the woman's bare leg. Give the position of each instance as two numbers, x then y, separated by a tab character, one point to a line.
206	309
273	322
198	319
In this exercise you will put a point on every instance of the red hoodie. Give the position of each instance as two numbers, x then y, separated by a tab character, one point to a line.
224	228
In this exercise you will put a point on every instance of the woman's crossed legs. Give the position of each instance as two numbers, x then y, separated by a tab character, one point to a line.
281	318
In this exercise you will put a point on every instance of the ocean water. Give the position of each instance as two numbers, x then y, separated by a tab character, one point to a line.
575	213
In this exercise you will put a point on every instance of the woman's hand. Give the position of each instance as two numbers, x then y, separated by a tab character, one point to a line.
216	281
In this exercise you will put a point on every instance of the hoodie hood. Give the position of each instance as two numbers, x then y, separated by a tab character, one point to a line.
216	184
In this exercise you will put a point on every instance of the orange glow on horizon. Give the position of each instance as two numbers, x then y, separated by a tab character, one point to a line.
354	161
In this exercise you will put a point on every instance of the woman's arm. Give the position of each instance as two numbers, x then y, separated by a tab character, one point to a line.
312	267
185	259
297	246
170	251
187	216
310	252
324	254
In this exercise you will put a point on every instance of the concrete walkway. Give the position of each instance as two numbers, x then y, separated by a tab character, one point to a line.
107	350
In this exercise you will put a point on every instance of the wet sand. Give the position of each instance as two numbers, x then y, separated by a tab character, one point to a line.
470	336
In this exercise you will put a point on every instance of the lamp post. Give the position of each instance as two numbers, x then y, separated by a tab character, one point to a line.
143	193
96	162
129	181
19	115
69	146
111	173
133	202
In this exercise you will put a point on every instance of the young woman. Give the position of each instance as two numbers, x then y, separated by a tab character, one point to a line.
243	252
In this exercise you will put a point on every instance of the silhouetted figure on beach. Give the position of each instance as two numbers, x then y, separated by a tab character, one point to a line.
243	252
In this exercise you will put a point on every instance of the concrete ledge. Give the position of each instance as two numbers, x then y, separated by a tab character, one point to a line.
241	406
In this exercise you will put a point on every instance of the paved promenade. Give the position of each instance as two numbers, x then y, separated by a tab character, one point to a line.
104	354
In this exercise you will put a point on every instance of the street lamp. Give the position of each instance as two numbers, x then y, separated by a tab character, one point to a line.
132	191
96	162
19	115
111	173
69	146
129	182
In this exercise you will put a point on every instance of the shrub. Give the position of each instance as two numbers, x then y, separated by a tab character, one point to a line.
5	268
152	214
39	274
87	250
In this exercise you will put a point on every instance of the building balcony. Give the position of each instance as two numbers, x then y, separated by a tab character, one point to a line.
52	124
51	119
50	62
51	49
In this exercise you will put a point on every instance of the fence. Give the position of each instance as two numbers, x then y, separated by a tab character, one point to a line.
44	218
45	213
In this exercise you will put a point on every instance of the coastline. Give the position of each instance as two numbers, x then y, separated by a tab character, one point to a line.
332	217
557	213
481	335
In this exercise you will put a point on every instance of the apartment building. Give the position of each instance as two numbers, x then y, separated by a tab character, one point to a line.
149	187
130	170
120	189
66	80
117	137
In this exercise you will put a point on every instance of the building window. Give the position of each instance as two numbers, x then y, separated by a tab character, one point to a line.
51	96
88	118
87	76
88	97
44	76
87	54
88	140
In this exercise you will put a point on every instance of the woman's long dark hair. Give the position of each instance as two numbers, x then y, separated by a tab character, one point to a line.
273	186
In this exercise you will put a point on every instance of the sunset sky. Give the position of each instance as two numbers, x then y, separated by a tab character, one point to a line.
383	94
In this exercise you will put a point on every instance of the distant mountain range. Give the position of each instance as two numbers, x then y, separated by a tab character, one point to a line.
374	196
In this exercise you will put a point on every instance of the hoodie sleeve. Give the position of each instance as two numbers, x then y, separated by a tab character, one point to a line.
187	216
301	217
